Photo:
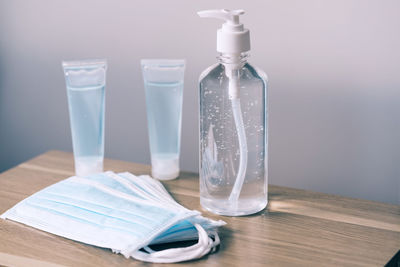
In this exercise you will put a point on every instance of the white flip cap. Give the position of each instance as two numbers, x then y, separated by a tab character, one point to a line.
232	38
88	166
164	169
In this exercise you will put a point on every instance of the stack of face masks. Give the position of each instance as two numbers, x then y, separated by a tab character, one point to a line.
123	212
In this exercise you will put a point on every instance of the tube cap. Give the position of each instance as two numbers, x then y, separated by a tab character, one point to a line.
88	165
232	37
164	168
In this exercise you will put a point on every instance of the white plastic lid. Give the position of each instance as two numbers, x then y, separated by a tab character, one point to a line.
88	165
232	37
164	168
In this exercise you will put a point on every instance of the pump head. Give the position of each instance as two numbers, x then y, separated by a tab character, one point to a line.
232	38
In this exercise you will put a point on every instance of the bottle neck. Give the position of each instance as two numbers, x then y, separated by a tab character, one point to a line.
231	59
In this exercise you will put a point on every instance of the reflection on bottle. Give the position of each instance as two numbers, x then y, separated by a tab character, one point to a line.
212	169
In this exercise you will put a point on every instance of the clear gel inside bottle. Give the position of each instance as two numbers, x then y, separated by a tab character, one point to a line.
219	141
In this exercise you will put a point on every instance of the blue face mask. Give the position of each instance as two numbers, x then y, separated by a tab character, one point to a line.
122	212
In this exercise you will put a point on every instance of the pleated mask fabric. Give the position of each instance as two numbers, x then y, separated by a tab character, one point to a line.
123	212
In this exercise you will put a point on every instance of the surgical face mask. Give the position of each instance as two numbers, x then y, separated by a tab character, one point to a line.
122	212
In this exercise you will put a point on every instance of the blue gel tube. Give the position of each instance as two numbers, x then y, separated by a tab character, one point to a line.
163	82
85	81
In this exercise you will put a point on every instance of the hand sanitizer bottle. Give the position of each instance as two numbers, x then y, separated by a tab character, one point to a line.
233	125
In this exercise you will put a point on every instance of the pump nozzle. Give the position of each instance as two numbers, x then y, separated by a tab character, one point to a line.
230	16
232	38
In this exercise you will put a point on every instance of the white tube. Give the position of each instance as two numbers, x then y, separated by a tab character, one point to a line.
237	115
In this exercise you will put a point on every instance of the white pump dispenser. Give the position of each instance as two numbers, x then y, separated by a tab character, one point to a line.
232	38
233	41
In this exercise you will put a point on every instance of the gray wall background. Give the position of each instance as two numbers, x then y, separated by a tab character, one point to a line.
333	67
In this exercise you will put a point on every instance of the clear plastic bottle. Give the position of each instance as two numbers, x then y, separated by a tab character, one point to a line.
233	135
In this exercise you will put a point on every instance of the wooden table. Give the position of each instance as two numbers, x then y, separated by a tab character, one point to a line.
299	228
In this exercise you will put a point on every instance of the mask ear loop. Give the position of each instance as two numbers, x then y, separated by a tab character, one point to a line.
201	248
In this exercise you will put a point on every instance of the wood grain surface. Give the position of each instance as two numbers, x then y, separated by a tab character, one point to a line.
299	228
